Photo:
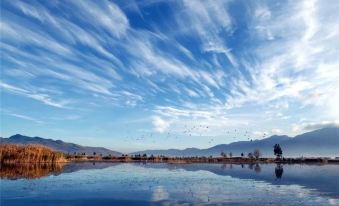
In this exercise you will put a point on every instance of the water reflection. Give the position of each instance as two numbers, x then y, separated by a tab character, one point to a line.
168	184
279	170
321	177
257	168
159	194
29	171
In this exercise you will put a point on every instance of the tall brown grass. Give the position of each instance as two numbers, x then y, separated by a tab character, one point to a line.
12	153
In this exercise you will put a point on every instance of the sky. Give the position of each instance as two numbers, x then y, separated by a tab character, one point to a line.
135	75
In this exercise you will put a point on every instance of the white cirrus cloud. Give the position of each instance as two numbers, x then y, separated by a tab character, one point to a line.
44	98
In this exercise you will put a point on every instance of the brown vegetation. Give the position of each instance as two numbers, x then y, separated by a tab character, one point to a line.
11	154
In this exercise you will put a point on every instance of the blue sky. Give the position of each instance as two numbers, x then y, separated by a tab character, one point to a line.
140	75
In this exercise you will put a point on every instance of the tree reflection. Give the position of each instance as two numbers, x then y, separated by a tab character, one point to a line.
279	170
250	166
257	168
223	166
29	171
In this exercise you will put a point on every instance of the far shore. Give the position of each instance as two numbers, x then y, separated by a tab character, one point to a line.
37	154
189	160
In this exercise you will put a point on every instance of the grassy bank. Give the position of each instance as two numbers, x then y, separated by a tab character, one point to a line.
12	154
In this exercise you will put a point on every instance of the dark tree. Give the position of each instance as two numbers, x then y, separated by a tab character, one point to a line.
230	154
94	153
242	154
277	151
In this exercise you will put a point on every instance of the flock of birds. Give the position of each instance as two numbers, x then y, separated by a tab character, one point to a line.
193	131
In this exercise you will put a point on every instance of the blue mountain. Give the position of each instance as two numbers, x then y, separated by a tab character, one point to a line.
58	145
322	142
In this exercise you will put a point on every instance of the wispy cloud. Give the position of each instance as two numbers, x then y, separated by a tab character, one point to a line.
211	21
44	98
290	58
195	63
21	116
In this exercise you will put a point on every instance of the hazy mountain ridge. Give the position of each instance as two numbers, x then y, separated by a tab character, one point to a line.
321	142
58	145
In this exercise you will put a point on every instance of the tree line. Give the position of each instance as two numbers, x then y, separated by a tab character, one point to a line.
256	154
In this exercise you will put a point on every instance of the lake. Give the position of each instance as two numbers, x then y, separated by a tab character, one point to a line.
97	183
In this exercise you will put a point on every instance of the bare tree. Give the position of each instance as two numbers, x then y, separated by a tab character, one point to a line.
250	155
256	153
223	154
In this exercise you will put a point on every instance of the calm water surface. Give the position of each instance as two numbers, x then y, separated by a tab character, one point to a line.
172	184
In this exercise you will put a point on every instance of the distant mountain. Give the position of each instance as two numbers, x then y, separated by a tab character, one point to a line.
322	142
58	145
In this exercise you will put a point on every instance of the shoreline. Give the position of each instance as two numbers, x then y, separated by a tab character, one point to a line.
188	162
38	154
319	161
206	160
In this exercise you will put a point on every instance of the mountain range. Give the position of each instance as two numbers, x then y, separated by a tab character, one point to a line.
321	142
58	145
